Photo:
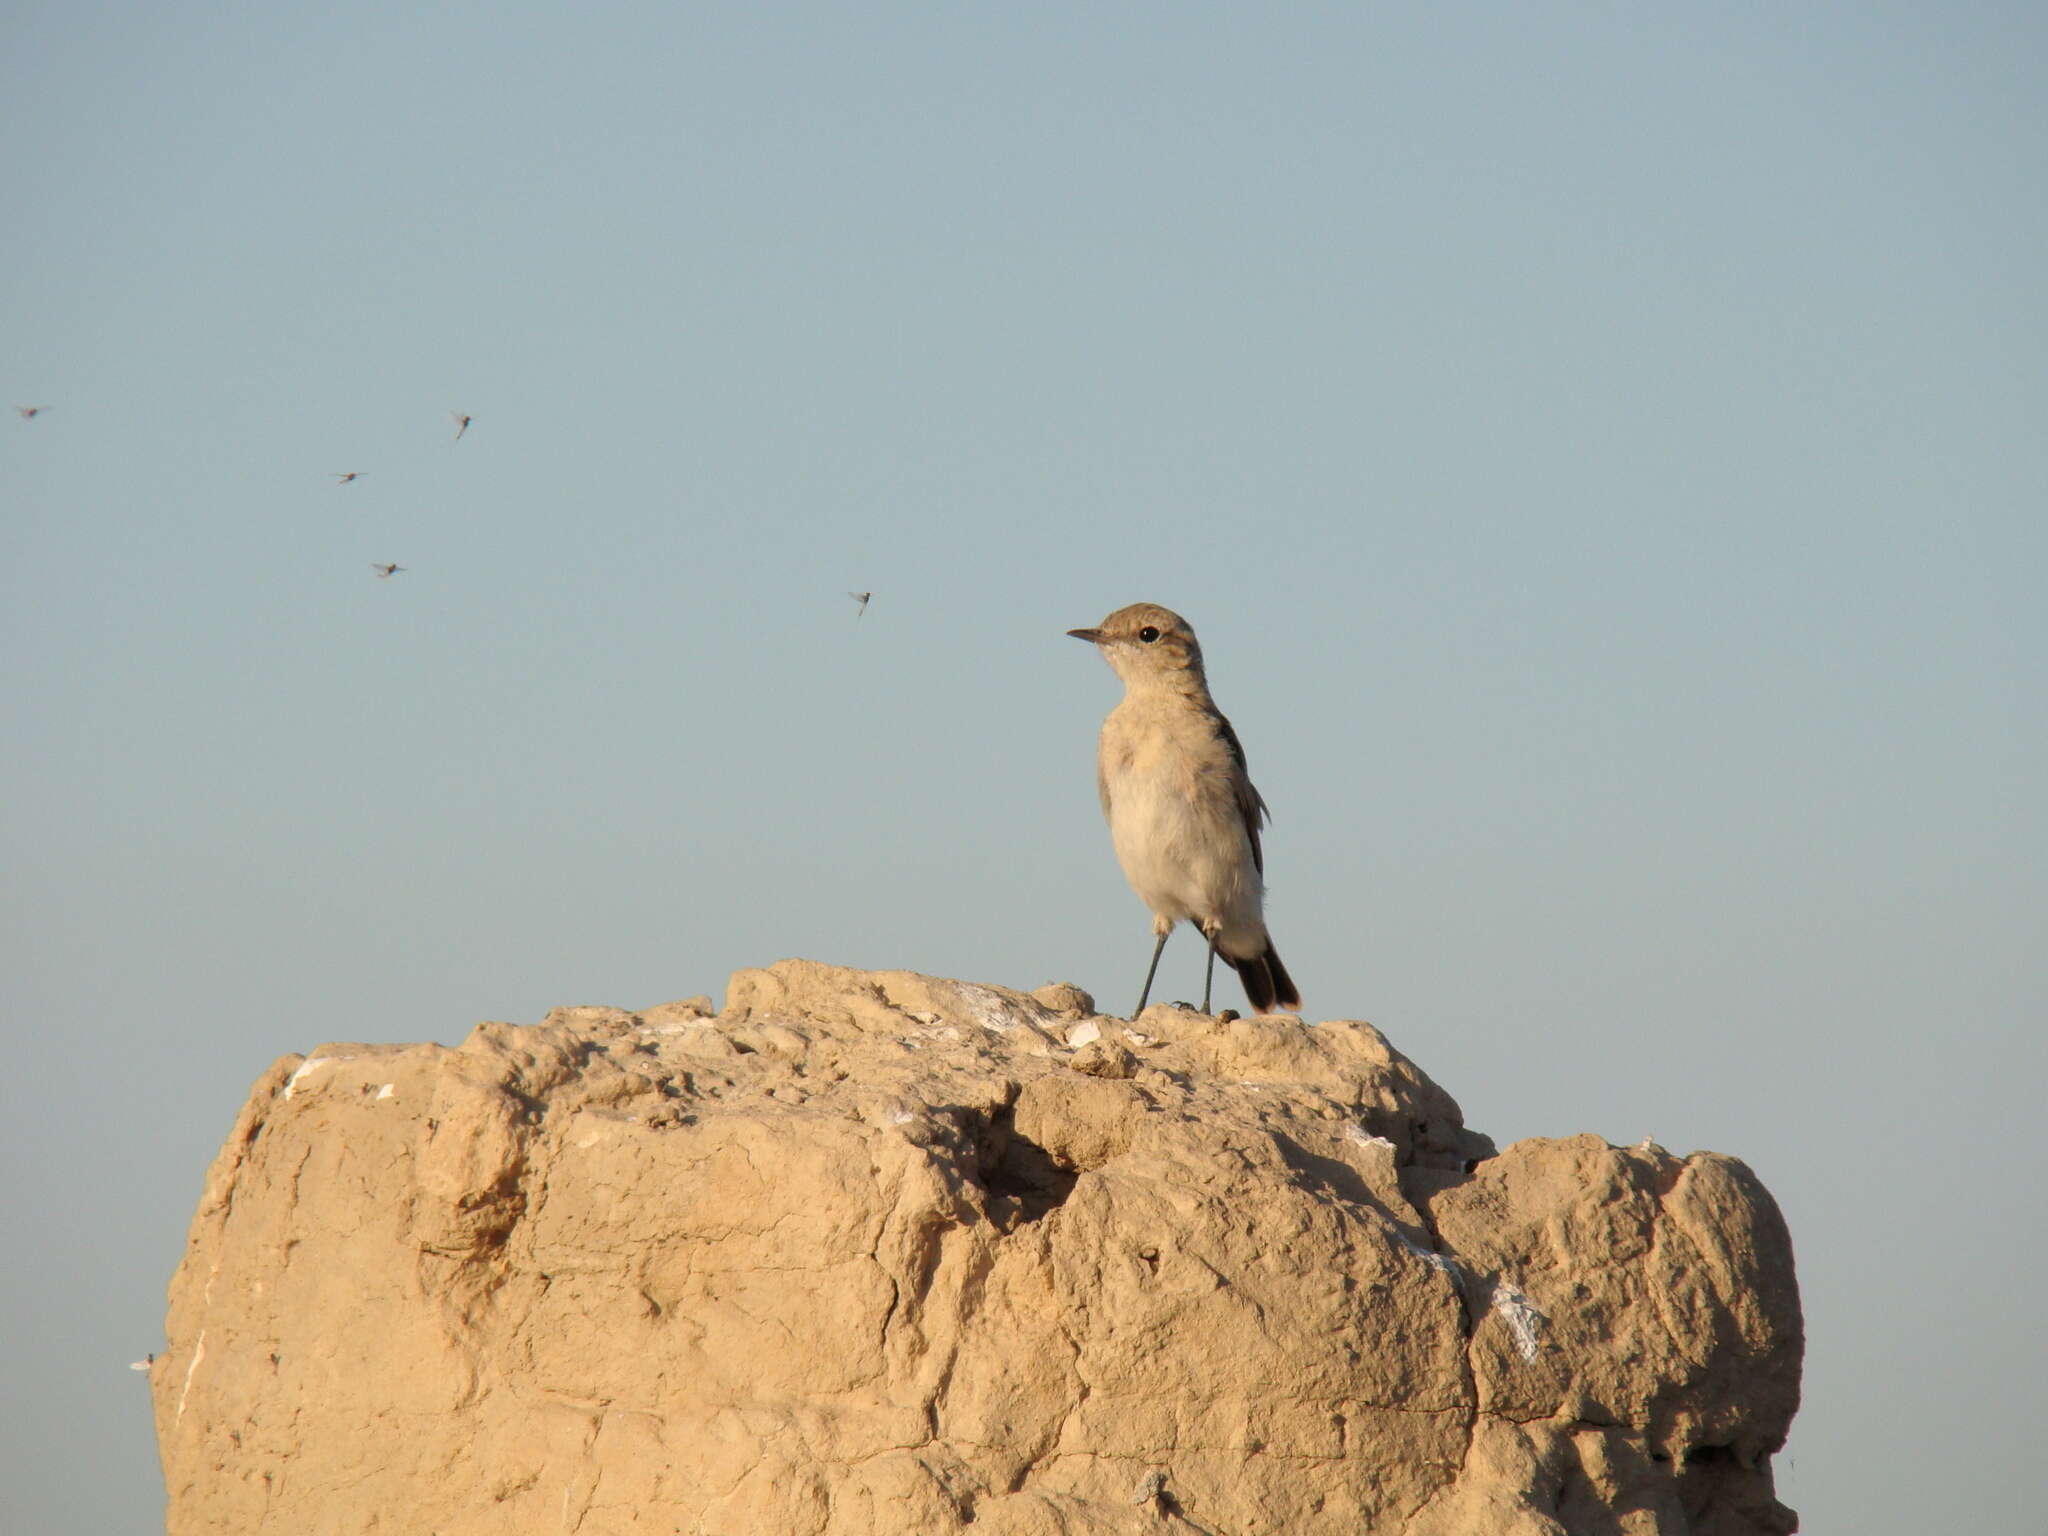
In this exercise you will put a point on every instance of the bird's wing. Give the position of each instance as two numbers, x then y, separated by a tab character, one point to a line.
1251	805
1102	790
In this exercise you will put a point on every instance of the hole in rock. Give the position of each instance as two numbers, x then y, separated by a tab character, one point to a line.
1023	1180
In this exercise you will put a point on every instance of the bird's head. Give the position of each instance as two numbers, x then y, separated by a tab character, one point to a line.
1146	643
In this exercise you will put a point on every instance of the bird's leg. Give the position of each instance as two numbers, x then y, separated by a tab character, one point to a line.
1151	970
1209	975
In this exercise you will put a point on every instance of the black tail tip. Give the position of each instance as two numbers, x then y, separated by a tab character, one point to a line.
1266	982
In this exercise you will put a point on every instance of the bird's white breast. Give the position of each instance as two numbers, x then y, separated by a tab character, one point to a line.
1173	817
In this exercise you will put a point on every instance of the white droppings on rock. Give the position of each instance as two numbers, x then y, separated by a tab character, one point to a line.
198	1354
992	1010
1443	1263
310	1064
1520	1314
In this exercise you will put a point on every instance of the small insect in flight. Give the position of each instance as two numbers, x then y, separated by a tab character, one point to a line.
862	599
30	412
384	571
348	475
461	423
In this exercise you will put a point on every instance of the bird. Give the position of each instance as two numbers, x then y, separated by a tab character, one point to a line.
862	599
384	571
345	476
30	412
143	1364
1182	812
461	423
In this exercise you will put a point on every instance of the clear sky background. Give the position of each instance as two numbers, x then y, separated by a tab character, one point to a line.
1604	451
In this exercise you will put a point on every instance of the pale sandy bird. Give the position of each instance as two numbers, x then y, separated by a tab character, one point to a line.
1182	811
345	476
862	599
461	423
384	571
143	1364
30	412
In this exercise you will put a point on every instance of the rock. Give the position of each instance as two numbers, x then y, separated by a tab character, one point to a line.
1101	1058
874	1252
1065	997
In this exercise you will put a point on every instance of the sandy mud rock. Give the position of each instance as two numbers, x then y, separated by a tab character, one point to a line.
874	1252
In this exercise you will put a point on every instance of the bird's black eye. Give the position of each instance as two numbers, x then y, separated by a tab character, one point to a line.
1148	634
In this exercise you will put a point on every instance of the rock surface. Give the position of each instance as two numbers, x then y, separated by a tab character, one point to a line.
874	1252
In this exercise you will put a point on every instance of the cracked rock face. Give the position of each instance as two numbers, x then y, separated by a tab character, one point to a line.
874	1252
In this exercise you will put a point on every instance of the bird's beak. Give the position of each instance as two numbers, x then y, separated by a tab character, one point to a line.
1092	636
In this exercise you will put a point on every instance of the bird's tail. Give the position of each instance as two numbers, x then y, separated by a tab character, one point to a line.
1266	981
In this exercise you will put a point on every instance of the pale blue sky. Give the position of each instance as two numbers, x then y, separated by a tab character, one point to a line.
1602	450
